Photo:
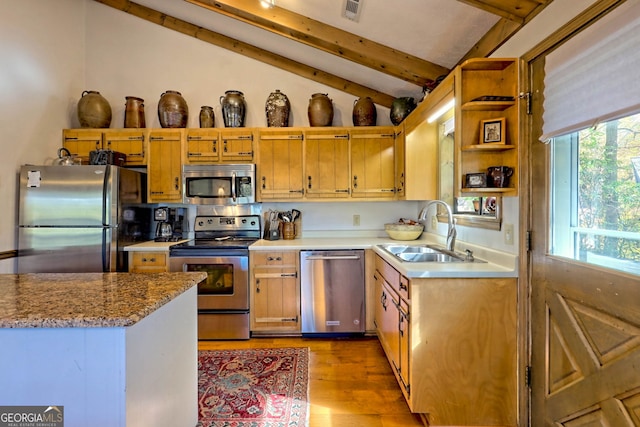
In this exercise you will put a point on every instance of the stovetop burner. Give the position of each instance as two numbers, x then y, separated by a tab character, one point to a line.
218	233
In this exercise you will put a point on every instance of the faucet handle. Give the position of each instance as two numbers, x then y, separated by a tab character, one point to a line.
469	256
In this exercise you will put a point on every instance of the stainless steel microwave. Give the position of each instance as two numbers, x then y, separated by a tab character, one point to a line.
219	184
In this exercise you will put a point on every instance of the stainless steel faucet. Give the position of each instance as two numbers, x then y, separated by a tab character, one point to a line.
451	229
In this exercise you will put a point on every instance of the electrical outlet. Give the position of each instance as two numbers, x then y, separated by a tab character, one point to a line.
508	234
434	222
356	220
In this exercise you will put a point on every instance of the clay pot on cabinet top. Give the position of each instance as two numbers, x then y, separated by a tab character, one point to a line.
320	110
207	117
277	108
364	112
234	108
94	110
173	111
134	112
400	109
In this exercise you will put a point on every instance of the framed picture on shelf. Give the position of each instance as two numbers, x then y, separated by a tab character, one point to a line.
476	180
493	131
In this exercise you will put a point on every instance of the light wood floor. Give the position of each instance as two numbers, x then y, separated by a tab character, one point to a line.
350	381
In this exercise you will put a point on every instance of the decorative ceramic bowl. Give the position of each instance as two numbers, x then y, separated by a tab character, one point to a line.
404	231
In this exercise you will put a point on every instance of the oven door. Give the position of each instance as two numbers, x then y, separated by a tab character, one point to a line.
227	283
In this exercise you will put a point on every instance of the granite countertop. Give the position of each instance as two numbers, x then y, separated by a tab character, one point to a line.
81	300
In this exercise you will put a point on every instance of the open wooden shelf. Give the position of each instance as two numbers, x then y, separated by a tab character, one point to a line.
487	105
488	147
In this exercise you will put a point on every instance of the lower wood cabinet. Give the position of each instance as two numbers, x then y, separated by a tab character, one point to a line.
148	262
451	343
275	292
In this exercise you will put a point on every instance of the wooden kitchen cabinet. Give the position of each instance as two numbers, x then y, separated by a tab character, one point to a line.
148	262
372	152
131	142
451	343
164	169
202	146
236	145
275	292
280	175
80	142
477	78
326	164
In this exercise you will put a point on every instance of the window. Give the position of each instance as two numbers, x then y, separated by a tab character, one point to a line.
595	195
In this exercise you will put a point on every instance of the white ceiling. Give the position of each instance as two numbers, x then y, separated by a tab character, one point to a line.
438	31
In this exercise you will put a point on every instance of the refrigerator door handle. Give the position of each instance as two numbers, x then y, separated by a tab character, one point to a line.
106	249
106	197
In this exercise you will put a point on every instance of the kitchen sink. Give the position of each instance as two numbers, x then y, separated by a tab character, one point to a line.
426	253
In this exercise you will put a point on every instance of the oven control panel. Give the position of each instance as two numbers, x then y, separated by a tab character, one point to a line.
227	223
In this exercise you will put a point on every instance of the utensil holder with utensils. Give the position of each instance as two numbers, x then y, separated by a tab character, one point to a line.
281	225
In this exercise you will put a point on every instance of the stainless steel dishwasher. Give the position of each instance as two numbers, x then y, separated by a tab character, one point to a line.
332	292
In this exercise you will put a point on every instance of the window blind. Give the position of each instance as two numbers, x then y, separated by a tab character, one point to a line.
595	76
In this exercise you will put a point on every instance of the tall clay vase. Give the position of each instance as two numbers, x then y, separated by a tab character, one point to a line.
173	111
277	108
94	110
400	109
320	110
207	117
234	108
364	112
134	112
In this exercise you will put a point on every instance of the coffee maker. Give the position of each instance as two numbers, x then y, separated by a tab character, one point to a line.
164	229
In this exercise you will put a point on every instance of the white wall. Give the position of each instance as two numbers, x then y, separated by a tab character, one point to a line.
41	66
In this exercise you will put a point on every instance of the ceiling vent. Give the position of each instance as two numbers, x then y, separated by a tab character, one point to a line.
352	9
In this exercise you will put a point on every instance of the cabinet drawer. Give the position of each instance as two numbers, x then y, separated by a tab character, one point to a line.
398	282
149	259
274	258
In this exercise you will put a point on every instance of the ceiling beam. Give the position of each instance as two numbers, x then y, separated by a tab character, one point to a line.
502	31
248	50
329	39
507	13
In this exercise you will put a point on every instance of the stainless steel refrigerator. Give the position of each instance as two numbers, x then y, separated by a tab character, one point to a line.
79	218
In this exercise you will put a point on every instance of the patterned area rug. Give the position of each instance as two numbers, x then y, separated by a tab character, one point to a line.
265	387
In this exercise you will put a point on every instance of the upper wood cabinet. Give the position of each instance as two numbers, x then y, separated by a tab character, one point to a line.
164	170
131	142
202	146
326	163
279	170
487	98
373	162
237	145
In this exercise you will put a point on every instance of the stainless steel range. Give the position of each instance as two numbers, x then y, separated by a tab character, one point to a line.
221	249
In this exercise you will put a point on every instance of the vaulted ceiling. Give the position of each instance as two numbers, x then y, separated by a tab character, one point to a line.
391	49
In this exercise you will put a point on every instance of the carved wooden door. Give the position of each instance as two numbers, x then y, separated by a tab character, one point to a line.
585	321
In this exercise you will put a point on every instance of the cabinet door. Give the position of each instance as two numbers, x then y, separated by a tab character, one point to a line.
280	165
386	320
373	163
80	142
327	164
202	146
275	292
400	161
237	145
129	142
165	166
404	346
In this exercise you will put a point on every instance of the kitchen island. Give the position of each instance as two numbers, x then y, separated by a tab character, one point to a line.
112	349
